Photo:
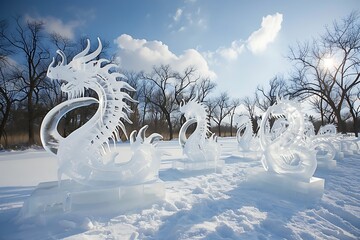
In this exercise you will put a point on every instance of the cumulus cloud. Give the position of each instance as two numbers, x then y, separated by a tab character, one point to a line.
270	27
256	43
55	25
232	52
142	55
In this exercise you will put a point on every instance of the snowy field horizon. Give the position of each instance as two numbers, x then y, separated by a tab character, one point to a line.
197	205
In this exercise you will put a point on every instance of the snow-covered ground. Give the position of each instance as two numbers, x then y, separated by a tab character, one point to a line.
197	206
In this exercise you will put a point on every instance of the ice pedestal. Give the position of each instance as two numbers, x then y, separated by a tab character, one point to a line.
186	165
325	162
339	155
49	198
288	187
247	154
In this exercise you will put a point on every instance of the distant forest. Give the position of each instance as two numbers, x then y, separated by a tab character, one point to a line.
325	75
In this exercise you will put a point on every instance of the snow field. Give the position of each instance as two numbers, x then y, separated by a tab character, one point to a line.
197	206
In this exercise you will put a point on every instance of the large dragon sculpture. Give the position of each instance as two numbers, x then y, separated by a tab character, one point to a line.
85	155
284	149
199	147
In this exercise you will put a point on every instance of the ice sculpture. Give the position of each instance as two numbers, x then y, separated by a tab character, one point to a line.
328	129
201	152
289	161
248	144
85	156
323	145
345	145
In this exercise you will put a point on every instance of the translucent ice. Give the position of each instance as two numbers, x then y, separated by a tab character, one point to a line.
201	151
282	140
85	155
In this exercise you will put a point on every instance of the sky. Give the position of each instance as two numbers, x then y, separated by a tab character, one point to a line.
240	44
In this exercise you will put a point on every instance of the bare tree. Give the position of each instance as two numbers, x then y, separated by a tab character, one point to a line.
266	98
328	68
10	93
233	105
133	79
27	42
250	105
168	88
352	98
219	108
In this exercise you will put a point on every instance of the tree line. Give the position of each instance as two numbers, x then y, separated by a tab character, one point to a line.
26	94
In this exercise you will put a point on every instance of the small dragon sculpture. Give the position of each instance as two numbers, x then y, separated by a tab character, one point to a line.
285	150
198	147
85	155
244	135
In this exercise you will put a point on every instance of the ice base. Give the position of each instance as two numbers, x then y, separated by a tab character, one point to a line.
186	165
71	197
326	163
288	187
339	155
247	154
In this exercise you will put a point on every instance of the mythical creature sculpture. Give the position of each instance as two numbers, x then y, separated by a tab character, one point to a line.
322	143
198	147
328	129
285	151
244	135
85	155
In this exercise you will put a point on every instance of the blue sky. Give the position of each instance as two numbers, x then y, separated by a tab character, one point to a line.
240	44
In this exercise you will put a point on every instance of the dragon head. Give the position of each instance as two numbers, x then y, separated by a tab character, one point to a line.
193	108
76	75
188	109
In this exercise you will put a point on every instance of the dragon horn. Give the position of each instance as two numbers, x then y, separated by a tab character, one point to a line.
93	54
84	52
63	57
52	63
142	132
133	137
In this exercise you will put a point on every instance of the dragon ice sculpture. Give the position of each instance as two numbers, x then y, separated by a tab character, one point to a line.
323	145
244	135
85	155
328	129
285	150
198	147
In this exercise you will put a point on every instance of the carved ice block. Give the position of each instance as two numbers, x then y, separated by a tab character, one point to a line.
49	198
324	162
288	187
339	155
186	165
247	154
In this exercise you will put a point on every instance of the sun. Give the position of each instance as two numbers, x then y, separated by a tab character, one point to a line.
328	63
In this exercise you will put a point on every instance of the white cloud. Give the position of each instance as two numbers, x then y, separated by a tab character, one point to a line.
232	52
270	27
142	55
55	25
178	14
187	18
256	43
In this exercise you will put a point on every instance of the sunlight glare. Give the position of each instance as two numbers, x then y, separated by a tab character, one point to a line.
328	63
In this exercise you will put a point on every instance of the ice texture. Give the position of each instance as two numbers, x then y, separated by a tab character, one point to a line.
248	144
100	177
85	156
200	151
282	140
